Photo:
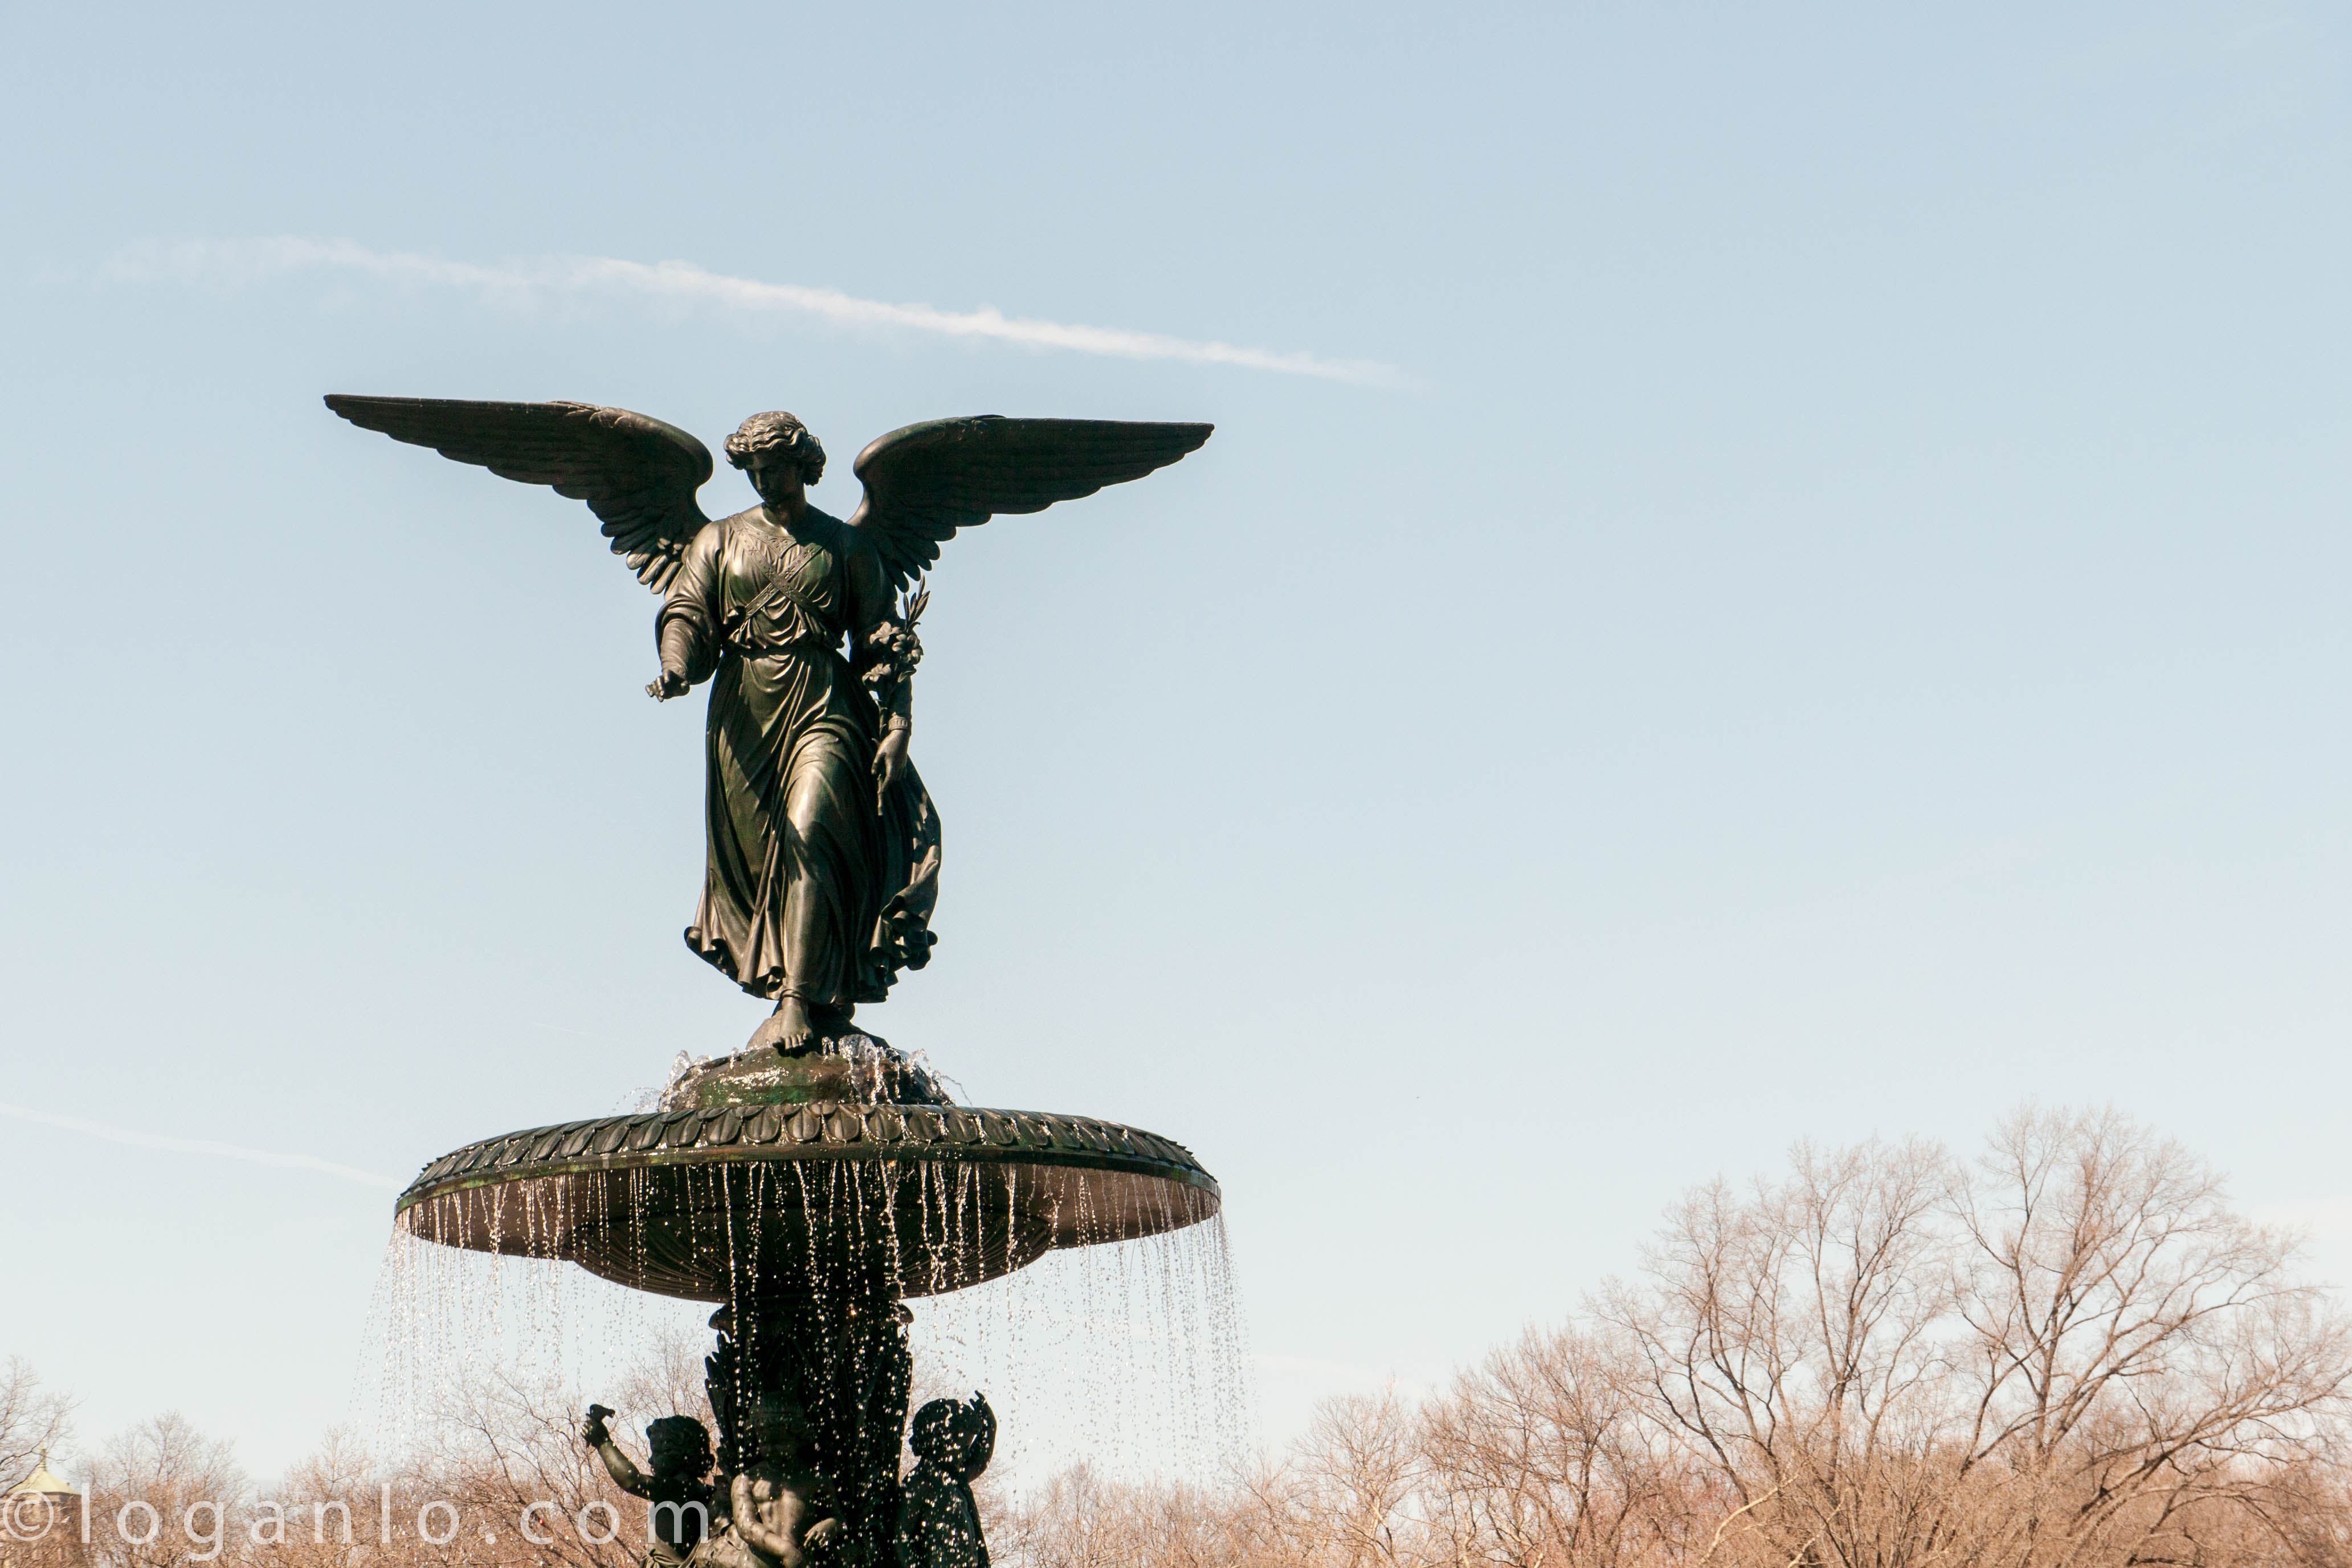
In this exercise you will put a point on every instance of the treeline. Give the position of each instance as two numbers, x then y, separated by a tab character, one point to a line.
2066	1352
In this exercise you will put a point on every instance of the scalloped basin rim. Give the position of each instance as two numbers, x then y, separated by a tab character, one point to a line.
764	1133
646	1200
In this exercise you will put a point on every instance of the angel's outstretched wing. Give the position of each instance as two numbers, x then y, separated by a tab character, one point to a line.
924	482
637	474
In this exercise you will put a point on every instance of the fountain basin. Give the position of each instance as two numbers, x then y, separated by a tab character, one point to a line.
719	1203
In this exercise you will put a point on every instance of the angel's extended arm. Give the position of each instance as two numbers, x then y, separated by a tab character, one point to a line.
622	1469
686	631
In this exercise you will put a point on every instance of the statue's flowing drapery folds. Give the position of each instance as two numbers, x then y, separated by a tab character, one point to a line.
823	853
809	890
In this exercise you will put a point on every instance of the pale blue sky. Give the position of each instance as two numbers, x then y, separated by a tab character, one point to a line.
1832	621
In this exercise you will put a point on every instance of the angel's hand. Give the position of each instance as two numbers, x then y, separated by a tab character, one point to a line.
672	684
891	761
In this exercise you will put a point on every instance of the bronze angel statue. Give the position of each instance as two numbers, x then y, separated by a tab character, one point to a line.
823	858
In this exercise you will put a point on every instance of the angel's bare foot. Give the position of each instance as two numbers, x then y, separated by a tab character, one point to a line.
830	1025
787	1030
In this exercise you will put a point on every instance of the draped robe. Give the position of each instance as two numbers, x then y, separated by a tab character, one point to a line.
810	889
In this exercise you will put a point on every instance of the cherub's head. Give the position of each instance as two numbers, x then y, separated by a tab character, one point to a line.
782	1426
958	1435
680	1447
779	453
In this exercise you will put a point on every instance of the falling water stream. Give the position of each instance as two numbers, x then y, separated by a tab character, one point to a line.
1128	1355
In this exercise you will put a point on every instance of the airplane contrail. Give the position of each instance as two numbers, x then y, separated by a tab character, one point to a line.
241	261
198	1146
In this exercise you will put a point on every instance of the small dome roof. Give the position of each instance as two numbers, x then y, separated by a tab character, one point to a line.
40	1483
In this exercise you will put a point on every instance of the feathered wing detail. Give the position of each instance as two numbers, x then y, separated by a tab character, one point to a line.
636	474
925	481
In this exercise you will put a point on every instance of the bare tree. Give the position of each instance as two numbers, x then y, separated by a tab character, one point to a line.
1271	1520
325	1513
33	1421
1075	1521
1543	1457
164	1495
2139	1351
2070	1353
1362	1466
505	1443
1787	1340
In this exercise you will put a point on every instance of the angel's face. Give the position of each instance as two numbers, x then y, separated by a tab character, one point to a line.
777	477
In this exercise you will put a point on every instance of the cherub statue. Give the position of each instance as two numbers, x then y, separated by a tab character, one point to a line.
678	1449
939	1521
824	847
779	1509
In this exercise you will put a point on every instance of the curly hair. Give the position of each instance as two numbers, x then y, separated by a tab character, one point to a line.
940	1428
773	432
690	1435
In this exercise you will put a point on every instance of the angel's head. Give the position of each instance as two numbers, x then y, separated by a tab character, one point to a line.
957	1435
679	1444
778	452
